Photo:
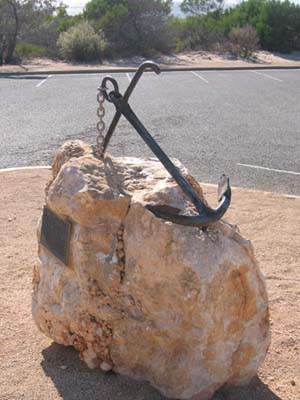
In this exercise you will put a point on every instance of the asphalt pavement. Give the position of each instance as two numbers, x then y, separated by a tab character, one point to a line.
242	123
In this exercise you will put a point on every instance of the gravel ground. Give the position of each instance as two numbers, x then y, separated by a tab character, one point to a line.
34	368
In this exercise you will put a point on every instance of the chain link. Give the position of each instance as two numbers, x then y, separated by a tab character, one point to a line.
100	124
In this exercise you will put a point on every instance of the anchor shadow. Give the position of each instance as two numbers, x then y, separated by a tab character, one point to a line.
74	381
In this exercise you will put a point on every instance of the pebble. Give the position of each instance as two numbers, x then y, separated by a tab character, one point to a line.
105	366
293	383
63	367
99	331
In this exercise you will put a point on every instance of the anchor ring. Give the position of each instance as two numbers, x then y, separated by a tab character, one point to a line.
104	89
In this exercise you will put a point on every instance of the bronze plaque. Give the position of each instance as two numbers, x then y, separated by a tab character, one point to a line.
55	235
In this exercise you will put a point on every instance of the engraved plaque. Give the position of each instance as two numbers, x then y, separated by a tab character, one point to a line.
55	235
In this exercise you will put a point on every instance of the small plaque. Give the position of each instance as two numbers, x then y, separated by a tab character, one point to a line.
55	235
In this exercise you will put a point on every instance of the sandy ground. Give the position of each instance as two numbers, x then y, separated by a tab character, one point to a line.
195	59
32	367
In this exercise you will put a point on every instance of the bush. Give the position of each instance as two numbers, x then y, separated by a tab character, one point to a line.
27	50
243	42
197	33
81	43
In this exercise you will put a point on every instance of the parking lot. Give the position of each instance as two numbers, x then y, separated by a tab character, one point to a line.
242	123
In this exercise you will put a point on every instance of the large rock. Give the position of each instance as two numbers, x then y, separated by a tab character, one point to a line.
184	309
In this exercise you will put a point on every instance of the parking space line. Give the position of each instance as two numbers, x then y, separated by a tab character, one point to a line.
128	77
267	76
43	81
199	76
282	171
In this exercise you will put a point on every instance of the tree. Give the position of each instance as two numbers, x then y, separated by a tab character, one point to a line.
195	33
109	16
131	25
45	30
200	7
147	20
279	26
16	15
9	28
276	22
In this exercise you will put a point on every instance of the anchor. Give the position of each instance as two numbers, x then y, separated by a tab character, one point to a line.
206	215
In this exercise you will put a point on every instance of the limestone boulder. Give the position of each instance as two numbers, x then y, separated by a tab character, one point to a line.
184	309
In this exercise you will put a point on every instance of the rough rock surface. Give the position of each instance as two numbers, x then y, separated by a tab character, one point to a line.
184	309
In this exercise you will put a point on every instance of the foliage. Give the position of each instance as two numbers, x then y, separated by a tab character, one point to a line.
135	26
47	31
63	20
277	23
242	42
17	16
196	33
28	50
32	27
200	7
279	26
81	43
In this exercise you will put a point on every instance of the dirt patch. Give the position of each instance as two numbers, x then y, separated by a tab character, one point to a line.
34	368
196	59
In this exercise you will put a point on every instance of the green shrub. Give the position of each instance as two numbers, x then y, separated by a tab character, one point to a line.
28	50
276	22
81	43
243	42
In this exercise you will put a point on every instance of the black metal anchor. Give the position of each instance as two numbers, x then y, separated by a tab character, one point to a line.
206	215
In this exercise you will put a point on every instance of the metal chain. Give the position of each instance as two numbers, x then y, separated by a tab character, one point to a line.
100	124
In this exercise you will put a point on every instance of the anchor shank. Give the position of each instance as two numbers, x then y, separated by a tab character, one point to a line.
126	110
143	67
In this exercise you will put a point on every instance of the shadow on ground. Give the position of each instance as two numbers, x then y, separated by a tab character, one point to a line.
293	56
74	381
22	77
77	382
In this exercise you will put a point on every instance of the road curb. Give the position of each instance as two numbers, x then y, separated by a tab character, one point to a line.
132	69
48	167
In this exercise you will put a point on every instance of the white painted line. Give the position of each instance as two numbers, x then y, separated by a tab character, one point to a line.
40	83
199	76
128	77
288	196
43	81
25	168
267	76
282	171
